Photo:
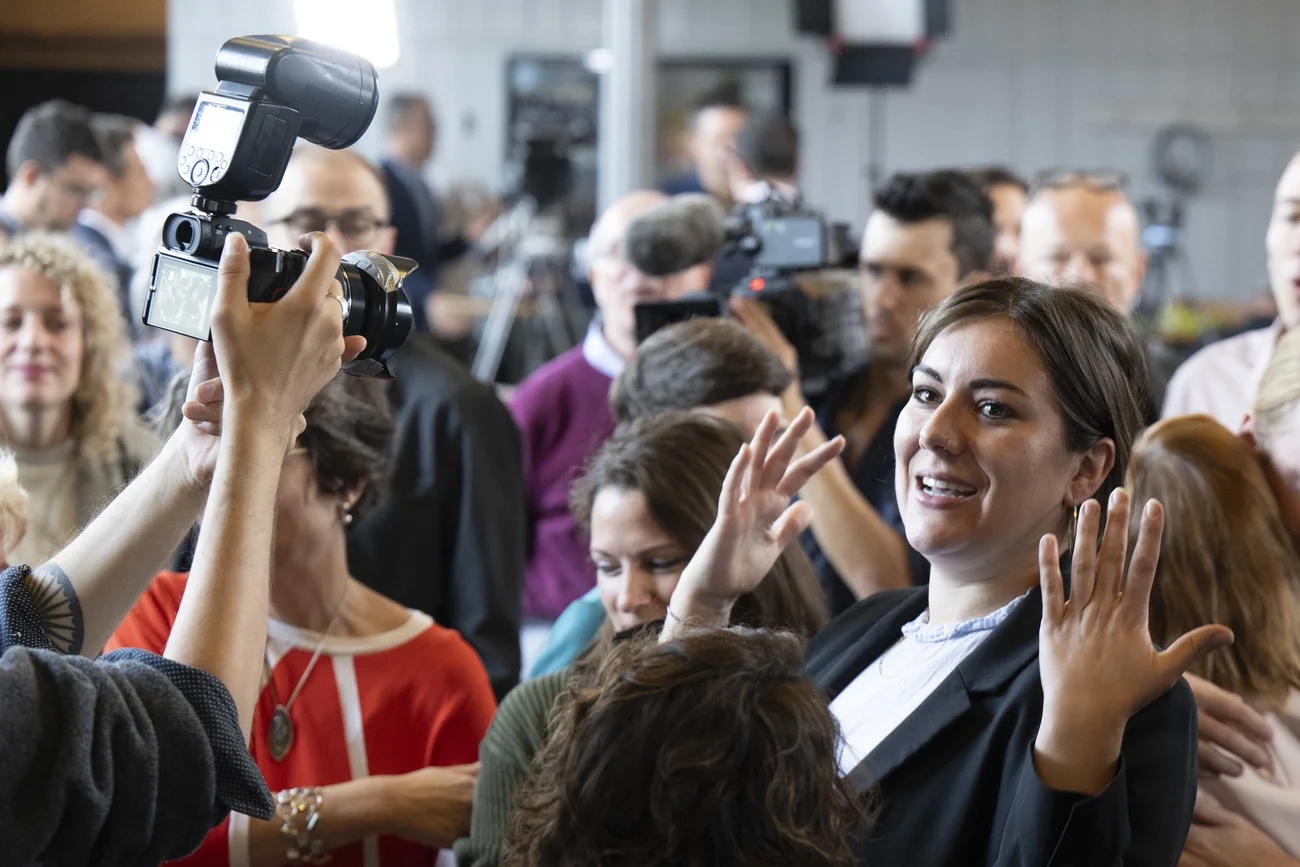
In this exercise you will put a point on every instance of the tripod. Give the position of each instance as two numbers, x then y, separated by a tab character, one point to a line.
522	267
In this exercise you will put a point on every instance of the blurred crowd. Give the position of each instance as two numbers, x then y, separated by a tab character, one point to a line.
1020	585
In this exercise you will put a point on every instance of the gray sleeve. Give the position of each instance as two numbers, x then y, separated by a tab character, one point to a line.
126	760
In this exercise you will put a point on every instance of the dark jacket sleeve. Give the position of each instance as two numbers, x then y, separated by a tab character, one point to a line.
1140	820
487	569
129	759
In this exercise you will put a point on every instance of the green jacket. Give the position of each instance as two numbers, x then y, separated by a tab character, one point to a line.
505	756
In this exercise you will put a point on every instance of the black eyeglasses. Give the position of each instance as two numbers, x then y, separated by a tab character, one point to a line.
1101	180
357	224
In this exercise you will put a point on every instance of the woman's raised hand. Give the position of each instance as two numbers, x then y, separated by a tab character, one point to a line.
755	523
1096	659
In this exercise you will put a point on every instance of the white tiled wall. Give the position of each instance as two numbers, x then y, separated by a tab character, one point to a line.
1028	82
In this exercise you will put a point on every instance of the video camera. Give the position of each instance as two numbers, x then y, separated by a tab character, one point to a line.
775	244
272	90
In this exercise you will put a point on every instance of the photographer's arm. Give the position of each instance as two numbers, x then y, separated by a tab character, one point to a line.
273	359
866	552
86	589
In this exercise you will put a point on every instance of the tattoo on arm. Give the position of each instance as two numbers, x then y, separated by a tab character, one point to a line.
58	607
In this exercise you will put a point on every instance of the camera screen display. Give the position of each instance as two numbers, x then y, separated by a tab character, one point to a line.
181	296
792	242
215	127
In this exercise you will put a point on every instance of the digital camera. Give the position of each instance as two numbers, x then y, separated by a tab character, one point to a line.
271	91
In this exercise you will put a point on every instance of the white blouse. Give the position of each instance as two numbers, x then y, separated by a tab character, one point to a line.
892	687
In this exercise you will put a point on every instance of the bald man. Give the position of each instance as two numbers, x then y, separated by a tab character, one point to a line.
563	414
449	538
1087	236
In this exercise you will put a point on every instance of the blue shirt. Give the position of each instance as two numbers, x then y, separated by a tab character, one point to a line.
575	628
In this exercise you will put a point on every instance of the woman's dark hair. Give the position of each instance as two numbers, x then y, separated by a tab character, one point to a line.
711	749
696	363
348	437
1091	353
677	462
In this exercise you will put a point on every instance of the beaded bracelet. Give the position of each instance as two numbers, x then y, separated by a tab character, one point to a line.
300	845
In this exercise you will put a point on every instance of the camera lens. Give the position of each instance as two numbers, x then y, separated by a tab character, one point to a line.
378	309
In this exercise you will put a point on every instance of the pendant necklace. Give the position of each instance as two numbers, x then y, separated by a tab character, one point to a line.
279	732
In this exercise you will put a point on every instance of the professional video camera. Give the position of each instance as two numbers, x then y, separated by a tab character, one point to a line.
779	247
271	91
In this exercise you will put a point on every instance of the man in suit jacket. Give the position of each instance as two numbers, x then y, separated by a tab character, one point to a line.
103	227
54	166
416	212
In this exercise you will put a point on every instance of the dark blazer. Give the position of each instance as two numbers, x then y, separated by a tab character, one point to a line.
450	536
956	781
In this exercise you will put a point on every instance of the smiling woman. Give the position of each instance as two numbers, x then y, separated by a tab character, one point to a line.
65	408
999	723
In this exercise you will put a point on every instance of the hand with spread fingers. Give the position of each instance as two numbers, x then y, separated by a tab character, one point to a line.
1096	660
755	522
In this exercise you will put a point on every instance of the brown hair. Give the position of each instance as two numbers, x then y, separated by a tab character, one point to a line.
103	402
1226	556
349	435
1092	356
694	364
710	749
677	461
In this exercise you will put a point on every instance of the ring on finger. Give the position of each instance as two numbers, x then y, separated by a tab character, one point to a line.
343	304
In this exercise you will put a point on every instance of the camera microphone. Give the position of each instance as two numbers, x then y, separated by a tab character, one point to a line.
685	231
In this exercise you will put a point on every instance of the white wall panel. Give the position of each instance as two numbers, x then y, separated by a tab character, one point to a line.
1029	82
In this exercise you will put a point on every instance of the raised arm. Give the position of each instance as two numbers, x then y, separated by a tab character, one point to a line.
83	593
866	552
273	359
755	523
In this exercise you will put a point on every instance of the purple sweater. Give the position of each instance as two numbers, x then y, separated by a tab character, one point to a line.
563	415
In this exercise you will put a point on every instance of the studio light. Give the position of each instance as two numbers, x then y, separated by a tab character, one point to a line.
368	29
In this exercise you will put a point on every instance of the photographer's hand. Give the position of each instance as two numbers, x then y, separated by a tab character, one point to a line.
273	359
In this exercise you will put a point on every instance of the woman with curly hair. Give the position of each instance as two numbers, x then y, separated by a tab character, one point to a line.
645	501
746	776
65	406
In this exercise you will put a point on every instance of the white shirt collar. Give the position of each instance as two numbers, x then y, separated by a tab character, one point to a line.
118	237
761	190
598	352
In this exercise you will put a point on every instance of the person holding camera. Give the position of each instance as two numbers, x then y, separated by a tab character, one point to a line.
928	234
371	714
449	536
131	758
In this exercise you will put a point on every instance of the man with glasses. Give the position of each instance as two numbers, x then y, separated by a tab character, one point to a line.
55	166
449	537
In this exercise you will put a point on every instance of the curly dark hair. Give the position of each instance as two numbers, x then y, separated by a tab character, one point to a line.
950	195
710	749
